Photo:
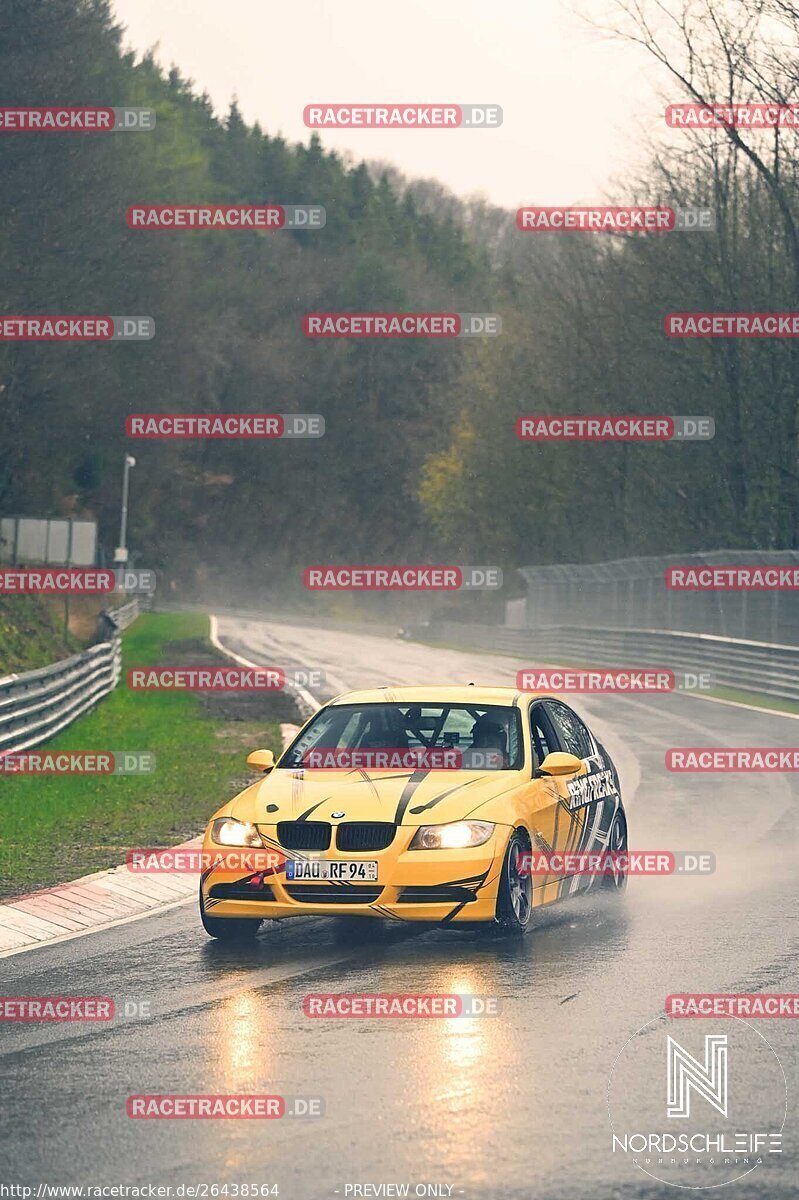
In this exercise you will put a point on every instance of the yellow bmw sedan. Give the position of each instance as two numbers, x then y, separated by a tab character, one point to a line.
417	804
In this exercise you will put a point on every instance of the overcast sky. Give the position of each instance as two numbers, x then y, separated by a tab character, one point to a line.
578	108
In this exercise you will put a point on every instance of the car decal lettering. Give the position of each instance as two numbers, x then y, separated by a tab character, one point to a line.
585	789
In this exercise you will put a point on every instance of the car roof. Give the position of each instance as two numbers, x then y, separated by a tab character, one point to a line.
461	693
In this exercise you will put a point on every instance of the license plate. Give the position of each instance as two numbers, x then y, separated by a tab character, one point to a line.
336	870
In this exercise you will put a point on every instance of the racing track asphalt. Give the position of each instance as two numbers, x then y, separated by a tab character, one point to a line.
510	1106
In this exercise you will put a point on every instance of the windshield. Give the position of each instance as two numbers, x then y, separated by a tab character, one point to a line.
425	736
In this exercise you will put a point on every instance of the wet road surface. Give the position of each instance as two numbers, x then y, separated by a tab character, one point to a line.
513	1105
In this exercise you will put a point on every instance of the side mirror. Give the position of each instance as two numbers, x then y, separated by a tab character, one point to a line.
261	760
560	764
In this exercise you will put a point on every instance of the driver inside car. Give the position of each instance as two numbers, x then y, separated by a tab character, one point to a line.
489	735
388	734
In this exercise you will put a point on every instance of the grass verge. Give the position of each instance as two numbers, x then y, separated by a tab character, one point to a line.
756	699
55	828
32	633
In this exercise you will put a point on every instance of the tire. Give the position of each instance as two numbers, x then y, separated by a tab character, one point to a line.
515	898
616	881
228	929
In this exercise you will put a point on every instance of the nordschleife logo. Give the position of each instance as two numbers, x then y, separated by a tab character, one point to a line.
687	1074
702	1111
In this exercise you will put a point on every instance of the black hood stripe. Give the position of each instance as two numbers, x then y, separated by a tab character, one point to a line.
304	816
407	794
420	808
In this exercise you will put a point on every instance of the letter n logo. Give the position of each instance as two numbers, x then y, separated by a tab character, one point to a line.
708	1079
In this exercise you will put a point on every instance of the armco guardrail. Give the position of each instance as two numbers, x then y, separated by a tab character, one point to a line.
126	615
631	593
764	667
38	704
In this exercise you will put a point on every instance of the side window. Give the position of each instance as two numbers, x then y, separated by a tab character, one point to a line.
543	742
573	734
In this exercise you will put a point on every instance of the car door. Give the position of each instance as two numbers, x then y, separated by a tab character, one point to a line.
552	819
585	793
594	795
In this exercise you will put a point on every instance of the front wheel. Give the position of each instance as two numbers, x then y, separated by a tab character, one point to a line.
228	929
615	879
515	898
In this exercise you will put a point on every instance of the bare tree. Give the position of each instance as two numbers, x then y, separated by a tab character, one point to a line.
731	52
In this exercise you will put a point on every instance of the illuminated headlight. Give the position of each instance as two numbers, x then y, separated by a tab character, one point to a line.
227	832
455	836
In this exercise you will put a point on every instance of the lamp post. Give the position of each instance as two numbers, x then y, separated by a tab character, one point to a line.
121	552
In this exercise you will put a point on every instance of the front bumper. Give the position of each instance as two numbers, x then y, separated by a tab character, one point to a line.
412	885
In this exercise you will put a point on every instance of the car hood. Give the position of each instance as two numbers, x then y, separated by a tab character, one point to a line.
401	797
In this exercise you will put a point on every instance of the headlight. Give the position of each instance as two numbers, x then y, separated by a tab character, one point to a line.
455	836
225	831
